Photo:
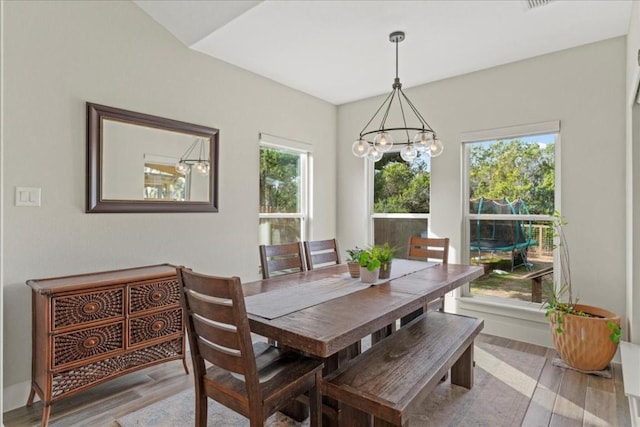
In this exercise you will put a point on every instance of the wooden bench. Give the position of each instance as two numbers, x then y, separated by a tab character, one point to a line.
382	385
536	282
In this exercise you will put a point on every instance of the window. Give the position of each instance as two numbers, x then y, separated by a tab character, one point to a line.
400	200
510	198
283	191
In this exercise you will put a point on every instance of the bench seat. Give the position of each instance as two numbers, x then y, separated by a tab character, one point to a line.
386	381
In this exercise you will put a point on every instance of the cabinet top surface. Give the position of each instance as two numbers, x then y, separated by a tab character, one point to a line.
102	278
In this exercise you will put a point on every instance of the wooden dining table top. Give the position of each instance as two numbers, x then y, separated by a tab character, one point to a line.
327	326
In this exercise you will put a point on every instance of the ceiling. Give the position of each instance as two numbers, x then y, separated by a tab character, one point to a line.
340	51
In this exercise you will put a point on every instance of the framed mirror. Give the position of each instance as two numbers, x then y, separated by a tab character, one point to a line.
142	163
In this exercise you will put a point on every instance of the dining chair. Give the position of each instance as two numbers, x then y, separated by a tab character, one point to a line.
427	249
321	253
253	379
281	259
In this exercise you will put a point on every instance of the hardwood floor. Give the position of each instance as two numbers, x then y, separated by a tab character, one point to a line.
562	397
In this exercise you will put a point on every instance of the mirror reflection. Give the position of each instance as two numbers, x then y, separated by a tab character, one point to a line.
153	164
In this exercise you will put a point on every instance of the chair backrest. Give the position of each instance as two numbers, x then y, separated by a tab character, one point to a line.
218	327
428	248
321	253
281	259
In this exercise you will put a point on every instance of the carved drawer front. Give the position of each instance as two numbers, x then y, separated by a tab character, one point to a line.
154	294
154	326
86	343
83	308
66	381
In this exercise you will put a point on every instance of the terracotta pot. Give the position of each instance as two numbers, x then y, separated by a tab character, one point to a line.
385	270
367	276
584	343
354	269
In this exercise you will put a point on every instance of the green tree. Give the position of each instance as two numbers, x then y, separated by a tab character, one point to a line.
400	187
514	169
279	181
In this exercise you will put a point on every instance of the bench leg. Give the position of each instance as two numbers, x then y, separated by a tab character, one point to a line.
536	289
462	369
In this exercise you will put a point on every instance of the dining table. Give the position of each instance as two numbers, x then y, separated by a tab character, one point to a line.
326	313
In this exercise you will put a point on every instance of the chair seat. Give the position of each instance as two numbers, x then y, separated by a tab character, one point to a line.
281	373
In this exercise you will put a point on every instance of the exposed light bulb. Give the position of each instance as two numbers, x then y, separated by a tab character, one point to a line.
408	153
383	142
435	148
203	167
182	167
374	154
422	140
360	148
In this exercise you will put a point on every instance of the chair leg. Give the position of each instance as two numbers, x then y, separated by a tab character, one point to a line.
201	409
315	402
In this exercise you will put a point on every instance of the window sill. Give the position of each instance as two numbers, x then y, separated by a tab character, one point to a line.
499	307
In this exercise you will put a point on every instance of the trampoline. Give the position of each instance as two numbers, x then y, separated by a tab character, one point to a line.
500	235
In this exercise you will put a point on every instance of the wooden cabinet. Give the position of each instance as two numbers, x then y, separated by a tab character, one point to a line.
91	328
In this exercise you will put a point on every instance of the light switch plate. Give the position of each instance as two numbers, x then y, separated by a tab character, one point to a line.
27	196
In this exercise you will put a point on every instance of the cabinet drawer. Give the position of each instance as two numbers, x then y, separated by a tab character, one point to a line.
153	326
87	307
67	381
153	294
87	343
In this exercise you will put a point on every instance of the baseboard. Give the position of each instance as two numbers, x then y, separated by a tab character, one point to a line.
15	396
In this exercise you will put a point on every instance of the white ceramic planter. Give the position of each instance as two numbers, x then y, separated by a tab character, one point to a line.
367	276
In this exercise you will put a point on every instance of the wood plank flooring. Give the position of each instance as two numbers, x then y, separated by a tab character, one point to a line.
562	397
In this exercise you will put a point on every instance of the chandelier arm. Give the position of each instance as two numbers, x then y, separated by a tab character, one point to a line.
376	113
201	154
404	120
386	113
189	150
417	113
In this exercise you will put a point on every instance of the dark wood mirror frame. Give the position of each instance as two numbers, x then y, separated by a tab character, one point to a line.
95	145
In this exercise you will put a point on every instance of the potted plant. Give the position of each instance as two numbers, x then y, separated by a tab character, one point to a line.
353	261
369	266
385	254
585	337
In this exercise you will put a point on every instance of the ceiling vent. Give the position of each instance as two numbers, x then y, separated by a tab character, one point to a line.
532	4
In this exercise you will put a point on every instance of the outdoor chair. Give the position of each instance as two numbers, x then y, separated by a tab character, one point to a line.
254	380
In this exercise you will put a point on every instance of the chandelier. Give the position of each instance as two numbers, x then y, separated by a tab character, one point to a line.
373	143
201	164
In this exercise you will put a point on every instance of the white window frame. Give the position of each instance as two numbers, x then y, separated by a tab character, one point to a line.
306	161
500	305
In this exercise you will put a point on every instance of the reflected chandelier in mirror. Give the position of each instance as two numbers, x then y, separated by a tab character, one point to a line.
142	163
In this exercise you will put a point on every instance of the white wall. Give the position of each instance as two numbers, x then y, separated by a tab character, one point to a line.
633	175
59	55
583	87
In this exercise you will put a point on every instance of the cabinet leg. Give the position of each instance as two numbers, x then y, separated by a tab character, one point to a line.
32	395
46	411
184	363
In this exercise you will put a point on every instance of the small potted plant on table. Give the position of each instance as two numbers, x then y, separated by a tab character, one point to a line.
385	254
369	267
353	262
